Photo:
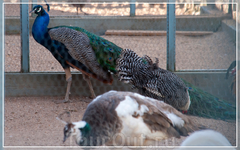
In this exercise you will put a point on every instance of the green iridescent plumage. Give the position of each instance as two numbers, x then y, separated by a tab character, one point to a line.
106	52
204	104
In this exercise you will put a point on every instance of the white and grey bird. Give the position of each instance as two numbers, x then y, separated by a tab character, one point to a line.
151	80
209	138
130	119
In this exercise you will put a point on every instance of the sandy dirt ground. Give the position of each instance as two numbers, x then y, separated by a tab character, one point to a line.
31	121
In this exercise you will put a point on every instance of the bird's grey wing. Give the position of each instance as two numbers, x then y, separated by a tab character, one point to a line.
78	45
155	118
160	117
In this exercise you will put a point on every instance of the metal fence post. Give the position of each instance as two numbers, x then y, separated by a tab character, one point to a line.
132	8
1	74
24	19
171	28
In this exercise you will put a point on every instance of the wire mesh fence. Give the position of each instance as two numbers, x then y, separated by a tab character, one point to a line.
109	8
216	49
202	43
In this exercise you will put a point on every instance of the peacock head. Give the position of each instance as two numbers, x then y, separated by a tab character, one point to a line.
38	10
78	129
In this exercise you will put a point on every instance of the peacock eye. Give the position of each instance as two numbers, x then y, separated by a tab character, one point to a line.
110	59
104	43
38	10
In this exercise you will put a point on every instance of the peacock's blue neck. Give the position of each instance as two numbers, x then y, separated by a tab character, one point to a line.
40	34
40	30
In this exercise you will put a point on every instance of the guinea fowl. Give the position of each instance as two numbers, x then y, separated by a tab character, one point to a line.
106	52
128	119
166	86
79	5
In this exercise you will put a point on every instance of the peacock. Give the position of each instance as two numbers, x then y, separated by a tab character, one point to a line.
231	67
152	81
234	72
118	118
76	50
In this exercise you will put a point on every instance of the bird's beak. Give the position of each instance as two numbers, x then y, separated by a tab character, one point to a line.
32	10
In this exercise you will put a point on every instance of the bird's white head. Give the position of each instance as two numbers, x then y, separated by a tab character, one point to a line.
77	129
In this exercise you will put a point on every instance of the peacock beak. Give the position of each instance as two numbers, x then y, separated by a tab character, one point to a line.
32	10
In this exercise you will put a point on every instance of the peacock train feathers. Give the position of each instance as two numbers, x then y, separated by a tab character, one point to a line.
164	85
204	104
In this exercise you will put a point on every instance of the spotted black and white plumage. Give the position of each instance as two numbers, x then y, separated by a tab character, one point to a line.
119	118
151	80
